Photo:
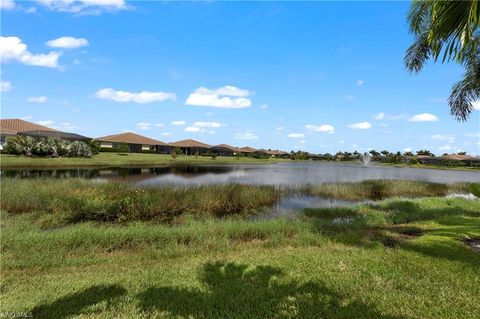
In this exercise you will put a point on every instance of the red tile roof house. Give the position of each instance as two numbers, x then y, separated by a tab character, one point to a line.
136	143
12	127
191	147
224	150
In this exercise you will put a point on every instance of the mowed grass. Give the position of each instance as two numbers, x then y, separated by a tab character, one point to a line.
108	159
392	259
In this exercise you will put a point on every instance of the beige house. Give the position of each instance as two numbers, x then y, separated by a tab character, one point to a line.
224	150
136	143
12	127
191	147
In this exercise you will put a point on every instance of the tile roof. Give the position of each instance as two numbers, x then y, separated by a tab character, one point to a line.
247	149
17	125
226	146
6	131
131	138
189	143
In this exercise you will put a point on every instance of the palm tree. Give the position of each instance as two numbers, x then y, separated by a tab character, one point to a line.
21	144
451	28
56	146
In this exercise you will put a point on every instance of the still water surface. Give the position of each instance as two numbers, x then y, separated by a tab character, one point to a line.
284	174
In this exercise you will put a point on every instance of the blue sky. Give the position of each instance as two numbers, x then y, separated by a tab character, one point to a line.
316	76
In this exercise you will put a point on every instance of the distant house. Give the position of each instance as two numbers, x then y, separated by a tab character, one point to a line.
12	127
467	159
247	150
136	143
224	150
191	147
427	159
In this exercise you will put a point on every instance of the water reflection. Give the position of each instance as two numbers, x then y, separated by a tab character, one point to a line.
289	206
264	174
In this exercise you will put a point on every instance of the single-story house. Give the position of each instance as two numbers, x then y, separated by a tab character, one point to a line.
5	133
191	147
247	150
136	143
427	159
224	150
12	127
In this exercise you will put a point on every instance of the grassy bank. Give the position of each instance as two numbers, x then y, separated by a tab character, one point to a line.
391	259
381	189
74	200
118	159
431	166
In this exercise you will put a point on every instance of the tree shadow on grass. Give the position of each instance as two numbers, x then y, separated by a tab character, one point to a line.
75	303
232	290
391	224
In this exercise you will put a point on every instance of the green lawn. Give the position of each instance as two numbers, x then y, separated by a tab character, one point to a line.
392	259
430	166
116	159
108	159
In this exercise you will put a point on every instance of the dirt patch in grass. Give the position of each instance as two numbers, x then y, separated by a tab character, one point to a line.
473	243
399	234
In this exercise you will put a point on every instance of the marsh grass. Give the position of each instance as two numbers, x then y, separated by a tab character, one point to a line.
77	200
382	189
66	201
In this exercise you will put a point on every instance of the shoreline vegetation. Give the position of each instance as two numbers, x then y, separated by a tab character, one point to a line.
67	201
392	258
110	159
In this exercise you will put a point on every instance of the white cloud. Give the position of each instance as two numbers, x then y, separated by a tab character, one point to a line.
7	4
144	126
423	117
448	138
264	106
303	142
280	128
37	99
166	134
246	136
408	149
140	97
361	126
159	124
178	123
5	86
13	49
49	123
360	82
84	6
472	135
63	126
192	129
25	118
383	116
228	97
476	105
322	128
445	147
208	124
67	43
296	135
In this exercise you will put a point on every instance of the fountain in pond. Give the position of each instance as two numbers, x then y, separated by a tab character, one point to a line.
366	158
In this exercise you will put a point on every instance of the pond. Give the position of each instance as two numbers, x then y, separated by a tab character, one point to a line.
281	174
